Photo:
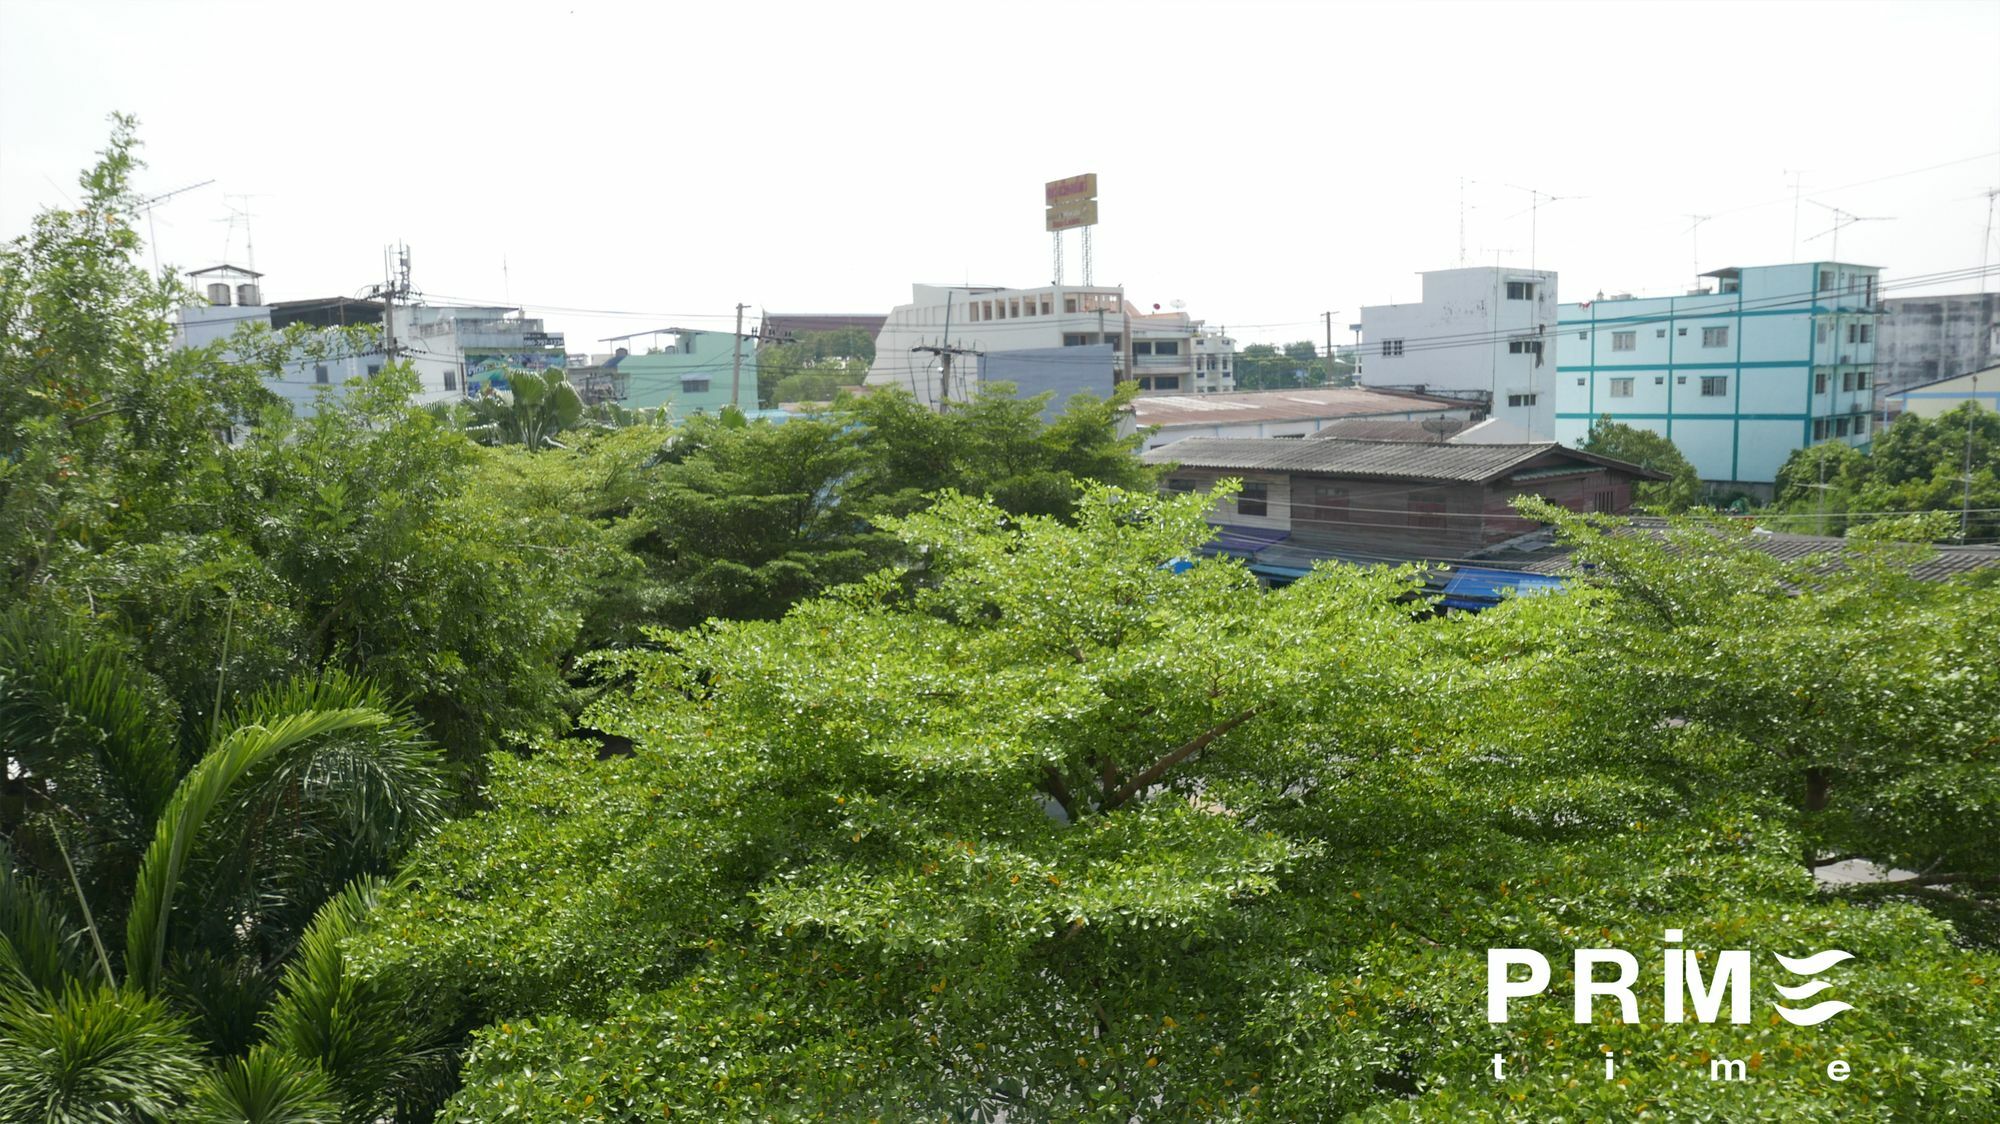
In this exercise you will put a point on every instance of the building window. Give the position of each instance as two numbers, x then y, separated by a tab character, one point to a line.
1861	379
1605	501
1075	339
1159	382
1715	337
1521	399
1047	308
1625	341
320	376
1847	380
1069	302
1681	331
1840	427
1819	382
1014	308
1861	425
693	385
1825	280
1180	484
1819	429
1860	333
1142	347
1167	347
1392	347
374	368
1254	499
1580	382
451	380
1520	290
1714	386
1524	347
1822	331
1659	333
1659	380
1427	510
1329	504
1621	388
1115	339
1583	335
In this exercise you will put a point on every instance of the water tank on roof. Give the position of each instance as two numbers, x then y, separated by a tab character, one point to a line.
246	294
218	292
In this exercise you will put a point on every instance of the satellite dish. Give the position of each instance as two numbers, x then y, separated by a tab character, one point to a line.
1179	304
1442	426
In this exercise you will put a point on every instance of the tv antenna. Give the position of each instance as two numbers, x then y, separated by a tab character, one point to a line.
1537	197
1694	231
147	205
1842	220
1798	179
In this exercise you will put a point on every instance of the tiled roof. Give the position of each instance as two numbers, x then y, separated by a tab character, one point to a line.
1283	405
1371	460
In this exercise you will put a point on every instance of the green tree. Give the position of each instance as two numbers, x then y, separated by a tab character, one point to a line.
539	405
1647	449
1916	465
1040	826
812	364
1261	366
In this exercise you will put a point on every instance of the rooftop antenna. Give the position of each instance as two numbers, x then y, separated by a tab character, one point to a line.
1695	232
1798	178
1537	197
152	233
1841	220
1986	243
239	211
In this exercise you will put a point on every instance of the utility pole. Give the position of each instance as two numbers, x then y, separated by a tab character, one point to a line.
736	361
1328	317
944	352
1965	504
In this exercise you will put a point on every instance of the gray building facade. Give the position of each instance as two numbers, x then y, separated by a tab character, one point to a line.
1924	339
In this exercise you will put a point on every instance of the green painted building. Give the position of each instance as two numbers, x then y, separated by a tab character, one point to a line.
693	376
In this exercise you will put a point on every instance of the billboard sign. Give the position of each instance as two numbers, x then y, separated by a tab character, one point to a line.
1073	213
1072	202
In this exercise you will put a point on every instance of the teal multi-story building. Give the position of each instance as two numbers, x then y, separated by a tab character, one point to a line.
1757	362
693	376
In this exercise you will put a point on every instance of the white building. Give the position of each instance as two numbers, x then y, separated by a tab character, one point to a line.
450	348
1166	352
1480	330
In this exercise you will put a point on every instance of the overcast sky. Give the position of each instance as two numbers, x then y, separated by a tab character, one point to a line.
1263	162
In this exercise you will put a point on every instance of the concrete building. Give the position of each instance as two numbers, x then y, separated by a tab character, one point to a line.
1286	413
1928	400
1480	331
234	298
1159	350
1924	339
1754	363
486	341
691	376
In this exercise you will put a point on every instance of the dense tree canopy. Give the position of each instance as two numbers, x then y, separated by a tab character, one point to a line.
1917	464
896	764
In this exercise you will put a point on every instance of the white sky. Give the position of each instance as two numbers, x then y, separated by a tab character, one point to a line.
1263	162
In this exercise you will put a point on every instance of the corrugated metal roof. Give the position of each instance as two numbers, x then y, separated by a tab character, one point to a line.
1554	558
1423	431
1282	405
1376	460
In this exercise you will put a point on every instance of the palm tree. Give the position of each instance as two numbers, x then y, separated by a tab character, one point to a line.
214	860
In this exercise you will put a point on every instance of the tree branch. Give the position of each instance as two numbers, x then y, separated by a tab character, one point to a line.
1152	773
1052	783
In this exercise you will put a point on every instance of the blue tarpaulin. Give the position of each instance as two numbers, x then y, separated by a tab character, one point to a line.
1471	587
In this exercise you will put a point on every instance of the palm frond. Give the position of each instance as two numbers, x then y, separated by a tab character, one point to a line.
178	832
74	705
39	949
353	1029
267	1086
92	1055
